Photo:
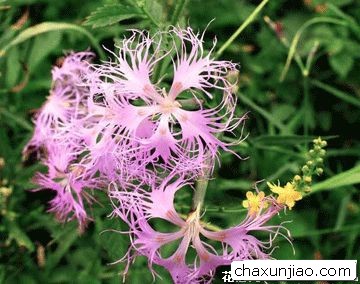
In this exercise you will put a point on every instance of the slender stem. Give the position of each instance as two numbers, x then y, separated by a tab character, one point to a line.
306	104
284	41
241	28
310	58
178	11
263	112
18	120
151	18
200	191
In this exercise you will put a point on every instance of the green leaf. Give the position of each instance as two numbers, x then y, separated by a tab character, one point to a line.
111	14
348	177
301	222
112	240
295	41
340	2
13	68
281	140
15	233
42	46
66	237
282	112
48	27
352	99
262	111
341	63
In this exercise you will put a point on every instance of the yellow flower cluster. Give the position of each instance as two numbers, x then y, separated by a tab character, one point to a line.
293	191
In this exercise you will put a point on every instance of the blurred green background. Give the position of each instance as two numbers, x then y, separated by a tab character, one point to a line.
299	78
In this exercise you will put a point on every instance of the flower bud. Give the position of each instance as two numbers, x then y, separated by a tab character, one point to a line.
305	169
308	179
5	191
297	178
307	189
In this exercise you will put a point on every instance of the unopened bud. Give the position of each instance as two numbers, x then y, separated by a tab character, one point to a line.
307	189
319	171
307	179
297	178
5	191
305	169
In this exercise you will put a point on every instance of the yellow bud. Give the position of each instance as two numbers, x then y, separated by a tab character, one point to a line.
307	189
307	179
305	169
297	178
317	148
5	191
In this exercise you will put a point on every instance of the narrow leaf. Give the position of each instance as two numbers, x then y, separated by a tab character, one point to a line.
48	27
282	140
111	14
337	93
348	177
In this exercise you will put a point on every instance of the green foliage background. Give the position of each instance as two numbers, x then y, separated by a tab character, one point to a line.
299	78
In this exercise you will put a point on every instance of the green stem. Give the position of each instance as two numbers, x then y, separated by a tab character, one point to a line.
151	18
200	191
178	11
241	28
306	104
263	112
284	41
18	120
351	99
161	68
296	39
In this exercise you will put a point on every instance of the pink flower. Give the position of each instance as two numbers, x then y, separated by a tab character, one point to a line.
65	102
71	189
137	208
154	122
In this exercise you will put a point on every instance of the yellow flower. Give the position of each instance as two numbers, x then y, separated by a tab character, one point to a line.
254	202
287	194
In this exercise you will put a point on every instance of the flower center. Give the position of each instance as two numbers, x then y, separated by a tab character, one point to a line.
168	105
193	223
